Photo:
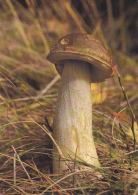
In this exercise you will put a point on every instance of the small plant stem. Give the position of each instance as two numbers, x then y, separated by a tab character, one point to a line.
126	139
132	113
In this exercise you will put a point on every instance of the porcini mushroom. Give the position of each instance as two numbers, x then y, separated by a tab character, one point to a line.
80	59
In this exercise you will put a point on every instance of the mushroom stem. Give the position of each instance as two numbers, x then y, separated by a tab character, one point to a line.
73	117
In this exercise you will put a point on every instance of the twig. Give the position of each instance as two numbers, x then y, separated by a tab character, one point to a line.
49	85
41	93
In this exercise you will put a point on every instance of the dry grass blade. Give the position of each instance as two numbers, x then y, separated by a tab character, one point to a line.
23	168
18	23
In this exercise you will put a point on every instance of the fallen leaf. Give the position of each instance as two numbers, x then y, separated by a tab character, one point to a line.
129	132
98	94
122	118
128	77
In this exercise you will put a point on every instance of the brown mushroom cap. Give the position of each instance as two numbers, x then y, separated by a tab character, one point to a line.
86	48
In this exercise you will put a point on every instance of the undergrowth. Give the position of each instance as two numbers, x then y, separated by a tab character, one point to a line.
28	91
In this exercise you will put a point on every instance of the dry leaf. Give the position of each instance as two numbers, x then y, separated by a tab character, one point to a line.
98	95
129	132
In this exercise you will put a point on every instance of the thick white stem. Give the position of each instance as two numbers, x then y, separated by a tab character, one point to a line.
73	117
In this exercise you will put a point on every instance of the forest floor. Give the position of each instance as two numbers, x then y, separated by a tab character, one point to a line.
29	86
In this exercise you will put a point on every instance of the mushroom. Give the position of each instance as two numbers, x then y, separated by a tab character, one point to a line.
81	60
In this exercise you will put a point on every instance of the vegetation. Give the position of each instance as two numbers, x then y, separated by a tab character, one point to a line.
28	91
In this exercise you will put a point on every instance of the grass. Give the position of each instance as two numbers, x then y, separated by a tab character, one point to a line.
28	91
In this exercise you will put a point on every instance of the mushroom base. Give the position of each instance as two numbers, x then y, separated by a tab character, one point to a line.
73	119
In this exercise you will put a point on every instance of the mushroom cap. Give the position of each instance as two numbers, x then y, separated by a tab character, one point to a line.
86	48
